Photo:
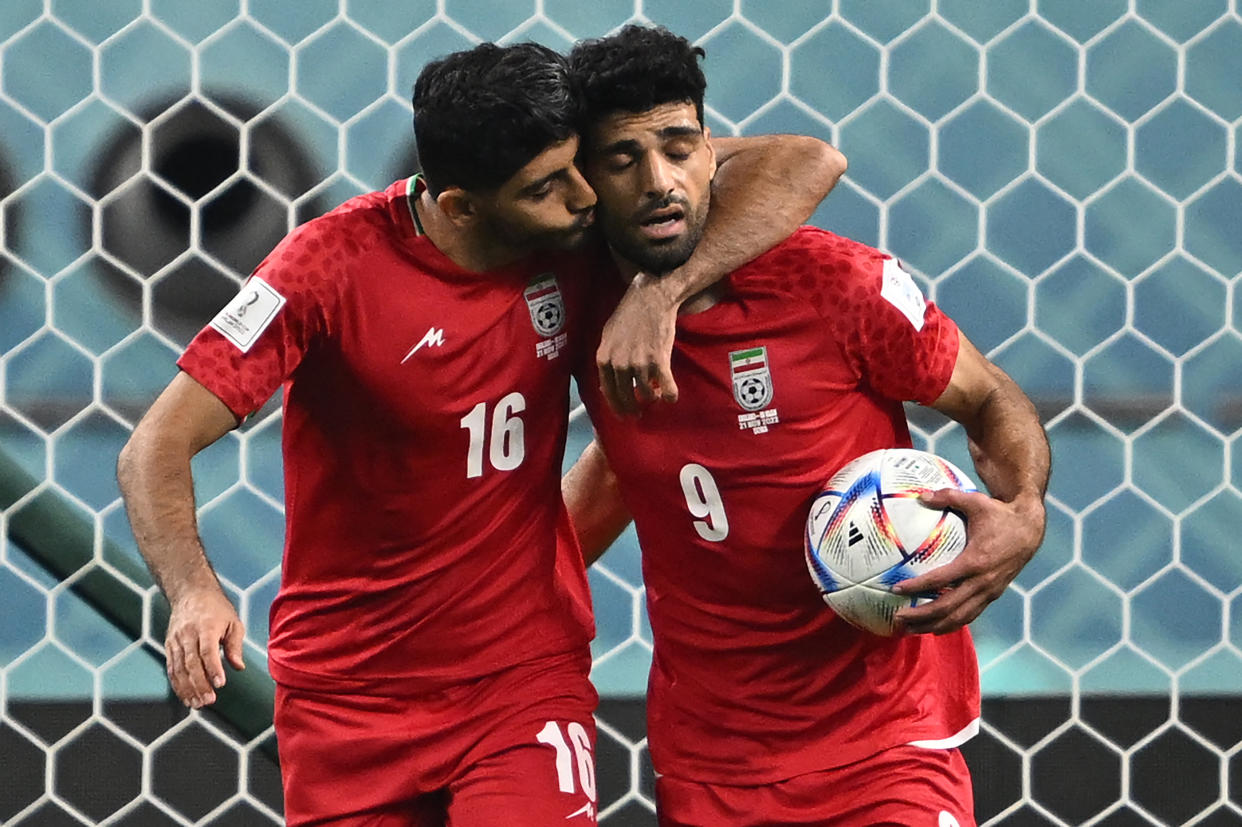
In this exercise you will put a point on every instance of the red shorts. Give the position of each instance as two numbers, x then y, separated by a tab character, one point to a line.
515	748
903	786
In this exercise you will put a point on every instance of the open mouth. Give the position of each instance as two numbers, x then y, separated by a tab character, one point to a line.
664	222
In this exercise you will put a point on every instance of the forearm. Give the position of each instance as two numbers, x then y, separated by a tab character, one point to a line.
593	499
1009	447
158	490
764	189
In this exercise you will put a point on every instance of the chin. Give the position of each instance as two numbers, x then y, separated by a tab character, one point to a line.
570	240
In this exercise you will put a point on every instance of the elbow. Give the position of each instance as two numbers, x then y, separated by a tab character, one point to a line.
126	464
827	162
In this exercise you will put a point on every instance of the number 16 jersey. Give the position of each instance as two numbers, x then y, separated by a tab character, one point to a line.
424	426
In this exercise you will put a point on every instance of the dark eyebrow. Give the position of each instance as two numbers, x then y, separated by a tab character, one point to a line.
631	147
680	131
538	184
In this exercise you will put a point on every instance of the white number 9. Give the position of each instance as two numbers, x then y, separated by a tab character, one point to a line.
703	500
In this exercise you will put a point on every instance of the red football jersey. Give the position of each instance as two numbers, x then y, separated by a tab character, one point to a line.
425	412
800	367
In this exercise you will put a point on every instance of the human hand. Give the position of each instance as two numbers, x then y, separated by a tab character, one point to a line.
1001	537
202	621
635	350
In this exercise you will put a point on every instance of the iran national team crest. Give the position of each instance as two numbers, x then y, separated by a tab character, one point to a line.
752	381
547	308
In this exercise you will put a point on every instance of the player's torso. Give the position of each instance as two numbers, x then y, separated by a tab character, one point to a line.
753	673
423	444
721	481
448	383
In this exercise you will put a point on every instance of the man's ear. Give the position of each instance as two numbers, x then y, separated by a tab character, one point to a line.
457	204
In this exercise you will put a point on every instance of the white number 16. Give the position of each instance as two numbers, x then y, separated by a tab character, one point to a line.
551	735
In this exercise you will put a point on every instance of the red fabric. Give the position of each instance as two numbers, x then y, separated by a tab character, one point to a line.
754	679
400	569
470	753
902	787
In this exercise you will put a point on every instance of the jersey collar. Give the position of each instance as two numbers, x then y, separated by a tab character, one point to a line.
414	187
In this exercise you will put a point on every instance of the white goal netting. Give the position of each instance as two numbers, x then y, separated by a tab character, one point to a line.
1065	174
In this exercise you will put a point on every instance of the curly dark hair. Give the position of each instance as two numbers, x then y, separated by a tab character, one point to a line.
633	70
482	114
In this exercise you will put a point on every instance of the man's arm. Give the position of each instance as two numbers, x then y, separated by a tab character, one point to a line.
765	188
1010	452
154	473
593	499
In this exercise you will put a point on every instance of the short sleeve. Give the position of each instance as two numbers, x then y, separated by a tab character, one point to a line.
899	344
257	340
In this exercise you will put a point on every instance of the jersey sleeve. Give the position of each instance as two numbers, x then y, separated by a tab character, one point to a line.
899	344
257	340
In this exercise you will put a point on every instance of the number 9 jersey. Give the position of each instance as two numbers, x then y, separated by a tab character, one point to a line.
801	365
425	411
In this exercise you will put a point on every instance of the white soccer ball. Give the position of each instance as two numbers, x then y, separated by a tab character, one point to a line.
867	531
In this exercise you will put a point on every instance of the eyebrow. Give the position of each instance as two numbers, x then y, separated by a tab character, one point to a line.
629	145
540	183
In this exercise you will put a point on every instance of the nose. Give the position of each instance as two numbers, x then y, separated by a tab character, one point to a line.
657	175
581	196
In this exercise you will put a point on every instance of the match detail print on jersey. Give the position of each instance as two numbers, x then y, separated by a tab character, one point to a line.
899	289
242	320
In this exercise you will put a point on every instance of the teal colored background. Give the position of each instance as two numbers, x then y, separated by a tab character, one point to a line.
1064	176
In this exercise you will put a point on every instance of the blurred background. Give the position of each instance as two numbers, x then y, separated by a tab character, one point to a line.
1064	175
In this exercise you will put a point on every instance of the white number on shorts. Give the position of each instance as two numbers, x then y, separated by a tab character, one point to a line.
551	735
703	500
507	446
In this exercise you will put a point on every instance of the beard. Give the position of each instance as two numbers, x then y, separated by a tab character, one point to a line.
658	256
526	237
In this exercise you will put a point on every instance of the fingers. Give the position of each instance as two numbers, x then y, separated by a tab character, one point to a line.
965	501
664	381
948	613
233	645
192	651
626	390
186	670
936	580
618	390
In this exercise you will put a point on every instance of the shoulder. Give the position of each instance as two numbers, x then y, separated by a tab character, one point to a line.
818	266
324	248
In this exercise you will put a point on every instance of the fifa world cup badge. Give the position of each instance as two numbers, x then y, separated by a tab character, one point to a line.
547	314
752	388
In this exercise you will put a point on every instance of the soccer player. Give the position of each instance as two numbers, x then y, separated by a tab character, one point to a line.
430	639
764	708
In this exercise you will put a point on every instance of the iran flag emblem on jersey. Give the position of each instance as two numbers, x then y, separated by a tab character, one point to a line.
547	308
752	381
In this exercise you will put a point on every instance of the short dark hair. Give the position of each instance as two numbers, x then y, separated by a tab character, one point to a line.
482	114
633	70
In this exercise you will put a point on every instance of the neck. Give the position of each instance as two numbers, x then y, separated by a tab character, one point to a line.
697	303
470	249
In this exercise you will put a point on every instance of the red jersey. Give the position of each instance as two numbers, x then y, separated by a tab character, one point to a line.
800	367
425	412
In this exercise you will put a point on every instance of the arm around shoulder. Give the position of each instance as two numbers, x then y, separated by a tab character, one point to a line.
765	187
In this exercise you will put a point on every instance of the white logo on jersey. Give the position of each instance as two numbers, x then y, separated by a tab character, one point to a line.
947	820
434	337
899	289
249	313
587	810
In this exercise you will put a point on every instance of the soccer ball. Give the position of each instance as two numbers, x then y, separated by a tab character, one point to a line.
867	531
